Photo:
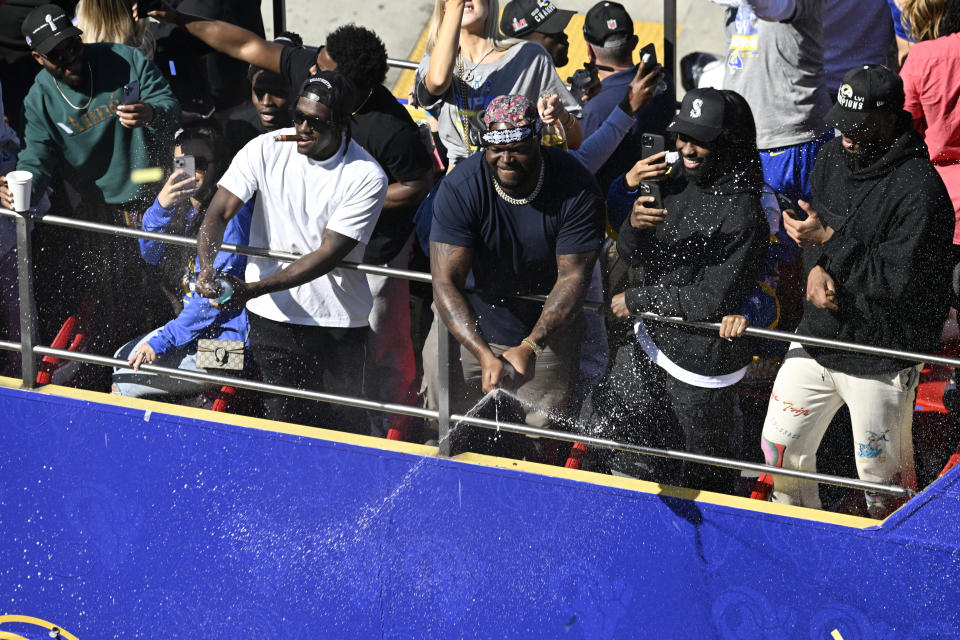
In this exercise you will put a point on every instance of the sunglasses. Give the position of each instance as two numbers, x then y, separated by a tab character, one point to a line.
315	123
63	57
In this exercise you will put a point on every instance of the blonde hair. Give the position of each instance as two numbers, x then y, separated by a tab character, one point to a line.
922	18
112	21
491	28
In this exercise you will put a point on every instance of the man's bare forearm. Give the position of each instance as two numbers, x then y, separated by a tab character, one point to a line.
566	297
234	41
223	207
334	247
449	265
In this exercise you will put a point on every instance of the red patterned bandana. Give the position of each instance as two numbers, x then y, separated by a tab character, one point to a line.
512	110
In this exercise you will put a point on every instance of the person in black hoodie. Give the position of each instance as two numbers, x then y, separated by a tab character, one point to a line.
675	387
877	252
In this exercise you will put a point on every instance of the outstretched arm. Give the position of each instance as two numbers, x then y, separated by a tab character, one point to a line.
226	38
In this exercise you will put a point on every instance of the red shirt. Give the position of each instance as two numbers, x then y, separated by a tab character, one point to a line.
931	81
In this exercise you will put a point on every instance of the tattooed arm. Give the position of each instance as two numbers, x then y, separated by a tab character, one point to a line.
449	265
565	300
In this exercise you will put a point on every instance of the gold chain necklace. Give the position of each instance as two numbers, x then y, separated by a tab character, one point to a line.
63	95
521	201
369	93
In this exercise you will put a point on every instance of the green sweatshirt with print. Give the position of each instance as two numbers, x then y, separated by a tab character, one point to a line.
86	142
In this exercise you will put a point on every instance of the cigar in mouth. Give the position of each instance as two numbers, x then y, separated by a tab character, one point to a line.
286	138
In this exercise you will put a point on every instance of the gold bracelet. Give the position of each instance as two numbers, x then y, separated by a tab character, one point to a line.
537	349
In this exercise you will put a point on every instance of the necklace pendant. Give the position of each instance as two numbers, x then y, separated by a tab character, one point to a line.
468	76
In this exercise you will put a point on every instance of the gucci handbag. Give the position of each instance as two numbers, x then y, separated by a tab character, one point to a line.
220	354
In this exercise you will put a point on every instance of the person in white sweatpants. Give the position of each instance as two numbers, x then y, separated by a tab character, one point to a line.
877	254
805	398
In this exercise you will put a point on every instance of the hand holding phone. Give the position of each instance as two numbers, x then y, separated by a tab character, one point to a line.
187	164
651	144
652	189
786	204
131	92
648	56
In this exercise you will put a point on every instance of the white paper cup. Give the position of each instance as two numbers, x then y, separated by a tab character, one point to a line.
19	183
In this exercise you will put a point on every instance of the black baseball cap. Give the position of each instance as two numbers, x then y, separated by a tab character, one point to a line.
47	26
521	17
606	19
700	115
865	89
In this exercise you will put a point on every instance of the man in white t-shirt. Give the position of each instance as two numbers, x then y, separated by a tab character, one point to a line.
319	198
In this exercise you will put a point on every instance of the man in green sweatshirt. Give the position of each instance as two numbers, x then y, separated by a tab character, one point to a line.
94	115
76	119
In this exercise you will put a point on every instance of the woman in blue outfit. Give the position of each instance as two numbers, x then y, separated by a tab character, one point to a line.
178	210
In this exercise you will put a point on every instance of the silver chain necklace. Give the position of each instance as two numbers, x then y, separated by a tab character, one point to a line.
89	100
468	75
521	201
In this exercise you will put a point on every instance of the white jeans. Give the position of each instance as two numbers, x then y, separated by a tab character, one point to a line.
805	398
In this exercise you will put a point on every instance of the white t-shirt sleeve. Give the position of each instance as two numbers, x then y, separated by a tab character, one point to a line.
243	176
359	210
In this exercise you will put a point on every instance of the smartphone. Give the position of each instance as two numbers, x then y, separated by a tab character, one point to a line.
650	144
786	203
648	188
186	164
131	92
648	55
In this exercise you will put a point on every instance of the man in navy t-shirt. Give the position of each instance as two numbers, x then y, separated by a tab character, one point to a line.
517	219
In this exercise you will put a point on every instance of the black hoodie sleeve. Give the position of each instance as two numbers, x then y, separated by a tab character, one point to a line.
917	239
722	286
636	246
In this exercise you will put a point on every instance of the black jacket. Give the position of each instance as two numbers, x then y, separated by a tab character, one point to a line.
699	265
889	257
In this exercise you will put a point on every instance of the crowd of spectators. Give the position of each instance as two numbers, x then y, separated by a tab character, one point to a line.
809	189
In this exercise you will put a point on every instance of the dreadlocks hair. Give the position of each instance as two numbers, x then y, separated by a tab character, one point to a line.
360	55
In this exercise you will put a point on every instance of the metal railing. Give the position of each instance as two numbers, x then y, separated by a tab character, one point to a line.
443	415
